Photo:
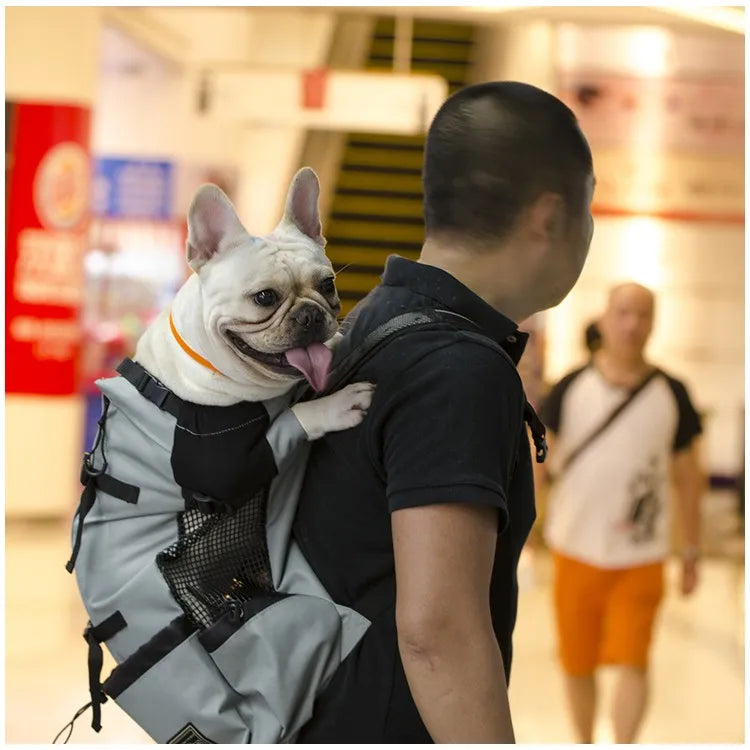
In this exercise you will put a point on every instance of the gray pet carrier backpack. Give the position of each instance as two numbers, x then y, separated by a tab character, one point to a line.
188	569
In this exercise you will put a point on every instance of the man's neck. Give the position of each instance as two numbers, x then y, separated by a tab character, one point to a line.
493	276
624	370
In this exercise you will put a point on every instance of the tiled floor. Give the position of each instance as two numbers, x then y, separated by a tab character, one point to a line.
698	660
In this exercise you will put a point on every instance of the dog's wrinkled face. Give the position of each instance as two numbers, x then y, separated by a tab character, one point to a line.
269	302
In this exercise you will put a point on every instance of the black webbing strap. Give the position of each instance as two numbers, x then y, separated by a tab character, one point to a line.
94	479
538	432
149	387
93	482
88	497
573	455
95	635
117	488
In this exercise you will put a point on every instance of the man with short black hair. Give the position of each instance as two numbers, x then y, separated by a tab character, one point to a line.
432	496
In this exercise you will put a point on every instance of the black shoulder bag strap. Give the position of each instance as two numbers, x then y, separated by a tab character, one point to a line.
573	455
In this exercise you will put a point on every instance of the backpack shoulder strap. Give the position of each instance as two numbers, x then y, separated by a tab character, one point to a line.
372	343
398	325
428	320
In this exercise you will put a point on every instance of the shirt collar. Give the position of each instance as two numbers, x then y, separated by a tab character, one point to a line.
446	290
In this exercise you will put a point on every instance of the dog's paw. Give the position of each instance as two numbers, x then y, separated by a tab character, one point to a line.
339	411
347	407
334	341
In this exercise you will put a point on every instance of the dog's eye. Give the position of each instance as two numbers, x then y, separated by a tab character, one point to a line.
327	287
266	298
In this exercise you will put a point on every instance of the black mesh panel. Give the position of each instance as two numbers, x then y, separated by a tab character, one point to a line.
218	558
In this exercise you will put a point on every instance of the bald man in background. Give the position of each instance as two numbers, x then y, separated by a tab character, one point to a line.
623	435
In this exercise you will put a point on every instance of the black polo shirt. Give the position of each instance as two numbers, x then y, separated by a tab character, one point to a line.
445	425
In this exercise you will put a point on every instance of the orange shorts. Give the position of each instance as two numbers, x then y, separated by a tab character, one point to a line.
605	616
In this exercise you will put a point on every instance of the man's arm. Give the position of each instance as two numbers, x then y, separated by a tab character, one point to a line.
541	492
550	412
444	557
690	484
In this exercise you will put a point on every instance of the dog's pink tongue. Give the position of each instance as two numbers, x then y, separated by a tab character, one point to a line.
313	362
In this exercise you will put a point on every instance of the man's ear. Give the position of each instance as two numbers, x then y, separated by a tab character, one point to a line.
546	218
301	209
212	220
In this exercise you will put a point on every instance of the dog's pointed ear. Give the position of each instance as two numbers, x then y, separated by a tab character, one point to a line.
301	208
211	220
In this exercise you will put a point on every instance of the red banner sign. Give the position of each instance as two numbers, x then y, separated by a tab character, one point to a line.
48	178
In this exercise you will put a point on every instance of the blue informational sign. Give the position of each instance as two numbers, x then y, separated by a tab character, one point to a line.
132	188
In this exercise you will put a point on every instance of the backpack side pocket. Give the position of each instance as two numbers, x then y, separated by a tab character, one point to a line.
172	689
277	652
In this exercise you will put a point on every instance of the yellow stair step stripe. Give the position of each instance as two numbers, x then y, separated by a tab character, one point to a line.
385	138
377	206
381	157
384	181
375	231
422	48
427	29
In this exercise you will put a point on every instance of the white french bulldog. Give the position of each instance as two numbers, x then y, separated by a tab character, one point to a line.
258	314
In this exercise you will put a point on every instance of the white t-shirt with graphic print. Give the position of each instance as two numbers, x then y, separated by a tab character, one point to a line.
611	506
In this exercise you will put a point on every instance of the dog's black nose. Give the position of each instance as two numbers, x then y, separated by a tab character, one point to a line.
309	316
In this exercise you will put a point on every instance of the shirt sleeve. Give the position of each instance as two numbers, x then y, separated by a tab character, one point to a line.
551	408
450	431
688	421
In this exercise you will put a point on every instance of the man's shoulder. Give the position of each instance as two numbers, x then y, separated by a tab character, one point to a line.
690	421
551	408
675	387
676	384
563	385
572	375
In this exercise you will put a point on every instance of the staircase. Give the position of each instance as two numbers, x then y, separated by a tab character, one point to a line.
377	205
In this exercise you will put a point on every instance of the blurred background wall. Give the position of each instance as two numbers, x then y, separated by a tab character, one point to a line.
166	98
115	115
